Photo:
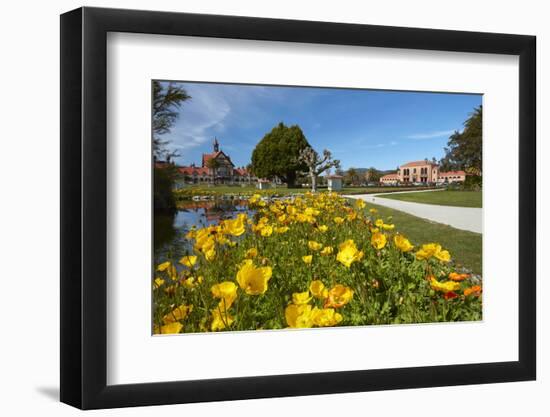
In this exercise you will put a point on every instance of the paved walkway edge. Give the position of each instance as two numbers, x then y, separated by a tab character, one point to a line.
463	218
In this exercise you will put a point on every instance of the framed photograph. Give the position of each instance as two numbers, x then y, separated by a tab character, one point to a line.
258	208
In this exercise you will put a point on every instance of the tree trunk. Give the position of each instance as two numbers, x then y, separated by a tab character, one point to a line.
313	183
291	179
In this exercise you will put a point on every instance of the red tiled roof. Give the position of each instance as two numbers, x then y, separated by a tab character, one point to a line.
241	171
207	156
390	177
190	170
417	163
453	173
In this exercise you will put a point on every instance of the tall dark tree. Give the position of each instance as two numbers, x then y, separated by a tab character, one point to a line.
277	154
167	99
464	149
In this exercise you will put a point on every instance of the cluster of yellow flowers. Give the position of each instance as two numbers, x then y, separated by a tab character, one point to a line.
315	241
301	314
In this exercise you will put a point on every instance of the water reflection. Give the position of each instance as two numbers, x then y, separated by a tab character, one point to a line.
170	228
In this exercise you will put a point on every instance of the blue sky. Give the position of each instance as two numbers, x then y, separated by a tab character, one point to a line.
362	128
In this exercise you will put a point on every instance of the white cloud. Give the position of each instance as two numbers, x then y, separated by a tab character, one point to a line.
431	135
206	110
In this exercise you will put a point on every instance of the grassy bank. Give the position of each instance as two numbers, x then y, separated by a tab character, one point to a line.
443	198
227	190
465	247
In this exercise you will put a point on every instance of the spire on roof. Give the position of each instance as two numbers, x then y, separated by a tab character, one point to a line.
216	145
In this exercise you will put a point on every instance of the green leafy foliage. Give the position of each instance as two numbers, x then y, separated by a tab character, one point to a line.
276	155
464	150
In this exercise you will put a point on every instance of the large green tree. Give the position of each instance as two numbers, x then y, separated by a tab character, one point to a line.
464	149
277	154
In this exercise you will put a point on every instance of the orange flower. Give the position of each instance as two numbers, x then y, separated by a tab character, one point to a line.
475	290
338	296
458	277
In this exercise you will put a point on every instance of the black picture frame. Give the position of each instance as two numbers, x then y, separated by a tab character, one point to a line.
84	207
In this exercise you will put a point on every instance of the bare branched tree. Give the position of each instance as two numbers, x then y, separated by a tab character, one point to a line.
316	164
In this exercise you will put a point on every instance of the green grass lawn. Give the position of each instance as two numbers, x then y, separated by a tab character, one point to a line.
465	247
443	198
283	190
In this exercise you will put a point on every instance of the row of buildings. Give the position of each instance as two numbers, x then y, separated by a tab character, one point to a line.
216	168
425	172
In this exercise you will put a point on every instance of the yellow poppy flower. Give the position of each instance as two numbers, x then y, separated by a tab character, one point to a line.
402	243
158	282
338	220
444	286
427	251
327	250
220	319
266	231
210	254
373	211
205	243
298	316
189	282
379	223
348	253
318	289
325	317
171	328
351	216
360	204
281	218
443	255
255	198
251	253
388	226
307	259
301	297
433	249
281	230
322	228
188	261
338	296
163	266
253	280
234	227
314	245
226	291
378	240
179	313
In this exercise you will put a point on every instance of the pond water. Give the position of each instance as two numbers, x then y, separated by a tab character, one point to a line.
170	229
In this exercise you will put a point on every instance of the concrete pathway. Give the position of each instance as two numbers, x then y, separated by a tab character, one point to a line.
463	218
